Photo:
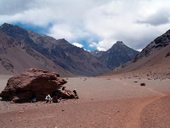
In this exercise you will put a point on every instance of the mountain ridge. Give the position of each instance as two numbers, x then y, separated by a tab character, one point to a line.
153	60
117	55
60	52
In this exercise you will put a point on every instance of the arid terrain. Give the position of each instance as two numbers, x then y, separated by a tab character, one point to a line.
84	64
105	102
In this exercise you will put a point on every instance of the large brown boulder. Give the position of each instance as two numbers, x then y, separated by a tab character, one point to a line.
33	83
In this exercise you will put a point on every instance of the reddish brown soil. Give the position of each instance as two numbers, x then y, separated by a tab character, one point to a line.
105	102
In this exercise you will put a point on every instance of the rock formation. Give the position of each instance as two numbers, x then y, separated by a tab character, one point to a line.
34	83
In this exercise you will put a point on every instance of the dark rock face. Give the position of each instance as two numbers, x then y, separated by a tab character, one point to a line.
117	55
33	83
156	45
97	53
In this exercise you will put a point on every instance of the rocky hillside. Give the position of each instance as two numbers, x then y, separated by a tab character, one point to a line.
155	46
153	60
21	49
117	55
16	55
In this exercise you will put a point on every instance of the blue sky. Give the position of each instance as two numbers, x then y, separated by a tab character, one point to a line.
34	28
91	24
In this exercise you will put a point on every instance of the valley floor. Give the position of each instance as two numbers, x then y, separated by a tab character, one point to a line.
105	102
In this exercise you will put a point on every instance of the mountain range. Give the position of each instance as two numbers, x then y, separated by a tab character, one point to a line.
21	49
117	55
153	60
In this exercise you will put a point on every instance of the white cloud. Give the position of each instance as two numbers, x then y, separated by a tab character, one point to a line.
78	45
105	20
14	6
93	44
160	17
113	22
102	45
139	50
87	50
61	31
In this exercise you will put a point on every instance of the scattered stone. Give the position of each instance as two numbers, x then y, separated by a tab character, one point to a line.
168	54
135	81
142	84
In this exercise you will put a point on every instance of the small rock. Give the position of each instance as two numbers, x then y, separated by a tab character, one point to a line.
142	84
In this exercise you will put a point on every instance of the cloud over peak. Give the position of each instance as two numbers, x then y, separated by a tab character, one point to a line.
78	45
99	23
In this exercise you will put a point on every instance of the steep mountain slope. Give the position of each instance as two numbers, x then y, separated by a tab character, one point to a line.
97	53
154	59
68	56
16	56
59	52
117	55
